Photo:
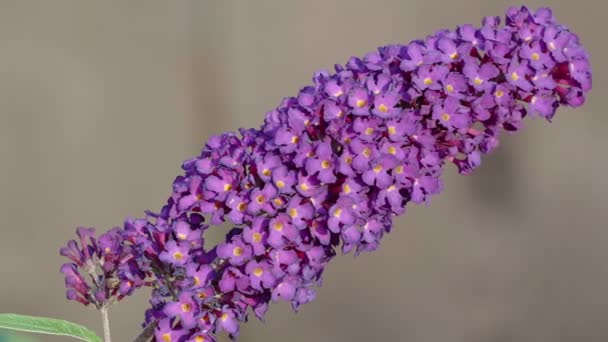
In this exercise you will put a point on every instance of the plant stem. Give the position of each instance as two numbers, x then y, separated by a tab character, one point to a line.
106	324
147	333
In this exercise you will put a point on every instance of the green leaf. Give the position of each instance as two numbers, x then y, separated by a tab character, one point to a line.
49	326
7	336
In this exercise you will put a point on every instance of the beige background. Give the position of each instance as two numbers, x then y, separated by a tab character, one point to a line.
100	101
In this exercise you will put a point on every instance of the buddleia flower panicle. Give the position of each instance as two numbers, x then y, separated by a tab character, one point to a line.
102	269
330	168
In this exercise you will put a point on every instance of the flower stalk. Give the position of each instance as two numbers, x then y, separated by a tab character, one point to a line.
105	321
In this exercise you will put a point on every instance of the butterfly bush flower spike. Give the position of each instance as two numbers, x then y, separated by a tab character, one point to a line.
329	168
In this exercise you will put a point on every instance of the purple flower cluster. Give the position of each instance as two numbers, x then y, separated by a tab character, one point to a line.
102	270
332	166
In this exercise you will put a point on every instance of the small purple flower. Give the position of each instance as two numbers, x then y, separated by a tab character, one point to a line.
367	128
345	163
503	94
351	237
535	56
378	175
175	253
78	289
394	149
233	279
261	199
284	179
543	80
363	154
300	212
285	261
379	83
166	333
359	101
334	89
307	185
469	33
372	233
430	77
322	164
517	73
183	232
450	50
204	166
221	184
256	235
482	106
424	187
266	165
332	111
341	215
297	119
351	187
320	231
415	57
480	75
199	275
287	140
260	275
455	84
556	40
385	105
227	322
238	206
280	231
236	252
202	337
451	114
185	308
393	197
544	104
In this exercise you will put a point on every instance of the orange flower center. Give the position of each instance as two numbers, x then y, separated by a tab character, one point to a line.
256	237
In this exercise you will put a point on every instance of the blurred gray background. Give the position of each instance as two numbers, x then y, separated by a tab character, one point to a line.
100	101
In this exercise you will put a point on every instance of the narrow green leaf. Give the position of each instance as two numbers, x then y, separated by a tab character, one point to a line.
49	326
8	336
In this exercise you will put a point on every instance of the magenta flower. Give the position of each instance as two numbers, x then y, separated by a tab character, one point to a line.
175	253
517	74
257	235
385	105
185	308
455	85
228	322
452	115
359	101
480	75
341	215
236	252
166	332
260	275
281	231
415	57
322	164
199	275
